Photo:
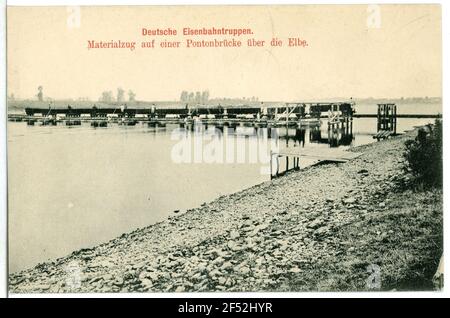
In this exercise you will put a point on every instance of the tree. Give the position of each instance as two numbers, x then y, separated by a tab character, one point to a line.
131	96
120	94
205	97
184	96
191	97
40	94
198	97
107	96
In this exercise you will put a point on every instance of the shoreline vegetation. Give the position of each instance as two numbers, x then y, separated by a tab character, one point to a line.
355	226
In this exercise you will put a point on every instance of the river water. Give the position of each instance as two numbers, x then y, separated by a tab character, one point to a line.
75	187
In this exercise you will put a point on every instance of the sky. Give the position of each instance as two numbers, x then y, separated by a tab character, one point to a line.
386	51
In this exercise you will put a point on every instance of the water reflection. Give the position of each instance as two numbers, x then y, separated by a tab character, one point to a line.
292	137
334	137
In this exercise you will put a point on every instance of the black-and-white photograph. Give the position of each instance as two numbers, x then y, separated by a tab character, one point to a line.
184	149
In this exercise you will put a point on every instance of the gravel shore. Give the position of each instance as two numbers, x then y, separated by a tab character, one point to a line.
325	228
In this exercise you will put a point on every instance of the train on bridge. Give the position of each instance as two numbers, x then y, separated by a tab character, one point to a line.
285	112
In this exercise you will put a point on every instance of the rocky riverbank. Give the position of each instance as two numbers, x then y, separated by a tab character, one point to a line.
350	226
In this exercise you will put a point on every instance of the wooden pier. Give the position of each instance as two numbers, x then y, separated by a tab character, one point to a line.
317	154
386	121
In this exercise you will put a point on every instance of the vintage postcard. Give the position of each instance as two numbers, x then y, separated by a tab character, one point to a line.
262	148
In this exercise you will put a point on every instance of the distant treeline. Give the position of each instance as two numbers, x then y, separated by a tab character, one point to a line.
197	97
85	103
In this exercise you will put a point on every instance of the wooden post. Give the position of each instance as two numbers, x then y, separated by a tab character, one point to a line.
270	168
278	165
395	119
287	115
391	117
379	118
329	134
385	116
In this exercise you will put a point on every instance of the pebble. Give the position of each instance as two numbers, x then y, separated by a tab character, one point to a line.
180	289
350	200
146	283
244	270
234	234
118	281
